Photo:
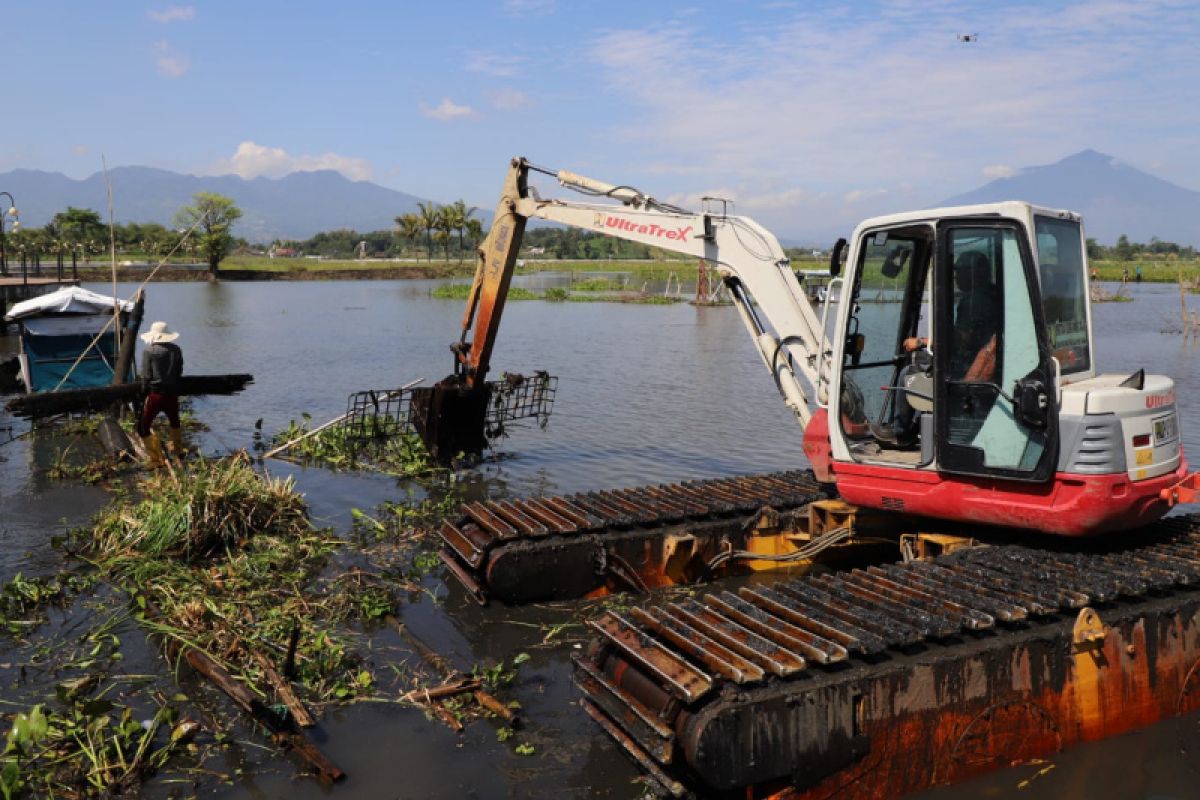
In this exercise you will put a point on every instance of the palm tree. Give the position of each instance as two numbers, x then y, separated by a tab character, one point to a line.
442	237
409	227
430	216
460	216
445	224
474	232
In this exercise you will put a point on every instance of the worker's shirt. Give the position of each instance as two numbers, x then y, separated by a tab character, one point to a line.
162	365
976	321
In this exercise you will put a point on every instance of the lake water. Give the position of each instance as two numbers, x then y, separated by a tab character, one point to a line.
647	394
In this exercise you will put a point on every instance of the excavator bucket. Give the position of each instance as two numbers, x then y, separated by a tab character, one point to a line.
450	417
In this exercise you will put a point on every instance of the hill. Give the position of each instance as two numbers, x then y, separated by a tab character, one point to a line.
1113	197
293	207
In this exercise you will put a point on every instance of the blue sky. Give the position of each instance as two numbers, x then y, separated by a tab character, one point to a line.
807	114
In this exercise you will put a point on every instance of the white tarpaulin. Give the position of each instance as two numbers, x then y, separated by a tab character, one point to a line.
71	300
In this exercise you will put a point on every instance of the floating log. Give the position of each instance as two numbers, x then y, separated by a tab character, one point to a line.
245	699
495	706
98	398
451	689
439	662
283	690
280	727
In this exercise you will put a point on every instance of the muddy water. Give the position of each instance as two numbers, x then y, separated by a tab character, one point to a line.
646	394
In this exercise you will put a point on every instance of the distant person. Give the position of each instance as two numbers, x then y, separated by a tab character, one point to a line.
1125	275
162	368
1095	274
1138	273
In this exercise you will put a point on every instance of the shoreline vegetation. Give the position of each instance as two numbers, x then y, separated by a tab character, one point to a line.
257	268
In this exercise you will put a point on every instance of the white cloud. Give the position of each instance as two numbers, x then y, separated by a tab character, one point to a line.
253	160
859	195
170	64
998	171
447	110
509	99
495	64
172	14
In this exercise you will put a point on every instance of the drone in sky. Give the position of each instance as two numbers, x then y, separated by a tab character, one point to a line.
968	37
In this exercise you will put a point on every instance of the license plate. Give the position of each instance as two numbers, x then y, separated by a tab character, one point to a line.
1166	429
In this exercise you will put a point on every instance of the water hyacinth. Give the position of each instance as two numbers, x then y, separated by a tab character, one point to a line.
204	507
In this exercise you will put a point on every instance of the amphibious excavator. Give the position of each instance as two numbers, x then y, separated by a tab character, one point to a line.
947	379
949	373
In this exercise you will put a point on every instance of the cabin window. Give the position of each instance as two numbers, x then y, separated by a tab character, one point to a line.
1064	298
887	308
991	343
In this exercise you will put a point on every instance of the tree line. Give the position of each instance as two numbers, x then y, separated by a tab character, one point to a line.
432	228
453	231
447	231
1125	250
201	230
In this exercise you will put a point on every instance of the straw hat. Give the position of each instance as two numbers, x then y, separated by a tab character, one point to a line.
159	332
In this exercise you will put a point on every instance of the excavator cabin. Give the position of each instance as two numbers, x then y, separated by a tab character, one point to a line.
967	386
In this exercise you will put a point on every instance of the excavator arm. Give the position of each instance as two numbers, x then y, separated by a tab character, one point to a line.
786	329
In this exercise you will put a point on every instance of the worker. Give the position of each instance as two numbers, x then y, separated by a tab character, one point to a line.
162	367
976	319
973	353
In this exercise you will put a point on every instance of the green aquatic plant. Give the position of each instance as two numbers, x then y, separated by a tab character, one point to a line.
379	443
460	291
204	506
224	560
597	285
23	600
88	748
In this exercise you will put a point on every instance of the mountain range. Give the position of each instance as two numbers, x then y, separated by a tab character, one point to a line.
1114	198
295	206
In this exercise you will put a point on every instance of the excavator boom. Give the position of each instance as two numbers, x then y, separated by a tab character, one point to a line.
785	327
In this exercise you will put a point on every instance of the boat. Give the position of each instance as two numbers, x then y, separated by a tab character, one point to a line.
68	340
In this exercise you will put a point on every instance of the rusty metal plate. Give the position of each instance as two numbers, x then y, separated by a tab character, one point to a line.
680	677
